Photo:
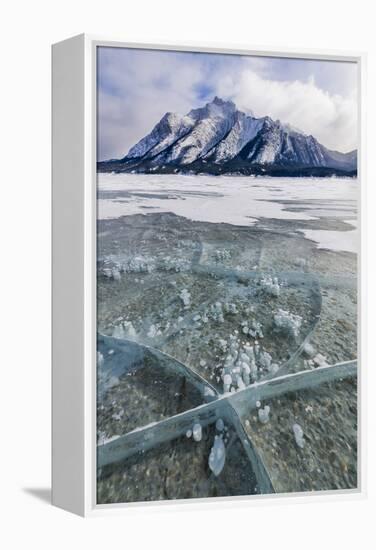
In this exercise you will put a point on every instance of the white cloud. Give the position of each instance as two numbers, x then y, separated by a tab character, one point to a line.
332	119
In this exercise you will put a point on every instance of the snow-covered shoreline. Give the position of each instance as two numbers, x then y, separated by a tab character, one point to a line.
236	200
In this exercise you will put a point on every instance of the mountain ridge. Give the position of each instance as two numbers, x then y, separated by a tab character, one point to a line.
220	139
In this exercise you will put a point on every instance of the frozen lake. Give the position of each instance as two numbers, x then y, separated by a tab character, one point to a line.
237	200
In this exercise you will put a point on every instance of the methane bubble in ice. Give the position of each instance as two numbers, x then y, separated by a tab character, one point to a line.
197	432
299	435
217	456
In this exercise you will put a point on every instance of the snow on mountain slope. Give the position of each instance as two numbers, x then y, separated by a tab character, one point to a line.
171	127
244	130
213	122
280	144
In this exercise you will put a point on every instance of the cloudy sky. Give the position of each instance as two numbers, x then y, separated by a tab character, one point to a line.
137	87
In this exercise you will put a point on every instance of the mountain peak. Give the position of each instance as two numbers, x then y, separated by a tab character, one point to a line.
218	137
215	108
222	104
219	101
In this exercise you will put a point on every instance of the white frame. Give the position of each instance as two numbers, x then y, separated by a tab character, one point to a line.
74	274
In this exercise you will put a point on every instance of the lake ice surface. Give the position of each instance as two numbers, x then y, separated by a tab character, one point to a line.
236	200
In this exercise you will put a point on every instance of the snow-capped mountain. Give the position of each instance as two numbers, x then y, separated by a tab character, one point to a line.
218	139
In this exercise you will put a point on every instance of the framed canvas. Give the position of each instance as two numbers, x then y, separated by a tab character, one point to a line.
206	274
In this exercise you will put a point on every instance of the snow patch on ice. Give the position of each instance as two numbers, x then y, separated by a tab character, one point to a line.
343	241
236	200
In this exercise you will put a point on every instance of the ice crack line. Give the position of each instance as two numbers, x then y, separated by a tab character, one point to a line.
228	406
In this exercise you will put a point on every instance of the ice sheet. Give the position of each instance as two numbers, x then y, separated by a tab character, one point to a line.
235	200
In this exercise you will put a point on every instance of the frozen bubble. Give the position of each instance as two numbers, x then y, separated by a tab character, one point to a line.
299	435
116	274
320	360
152	332
129	330
119	415
308	349
197	432
265	360
216	312
118	332
100	359
217	456
222	344
263	414
287	322
230	308
270	286
220	425
240	383
222	254
274	368
188	433
185	297
227	381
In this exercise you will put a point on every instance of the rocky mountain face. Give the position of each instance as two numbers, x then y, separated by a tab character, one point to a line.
220	139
